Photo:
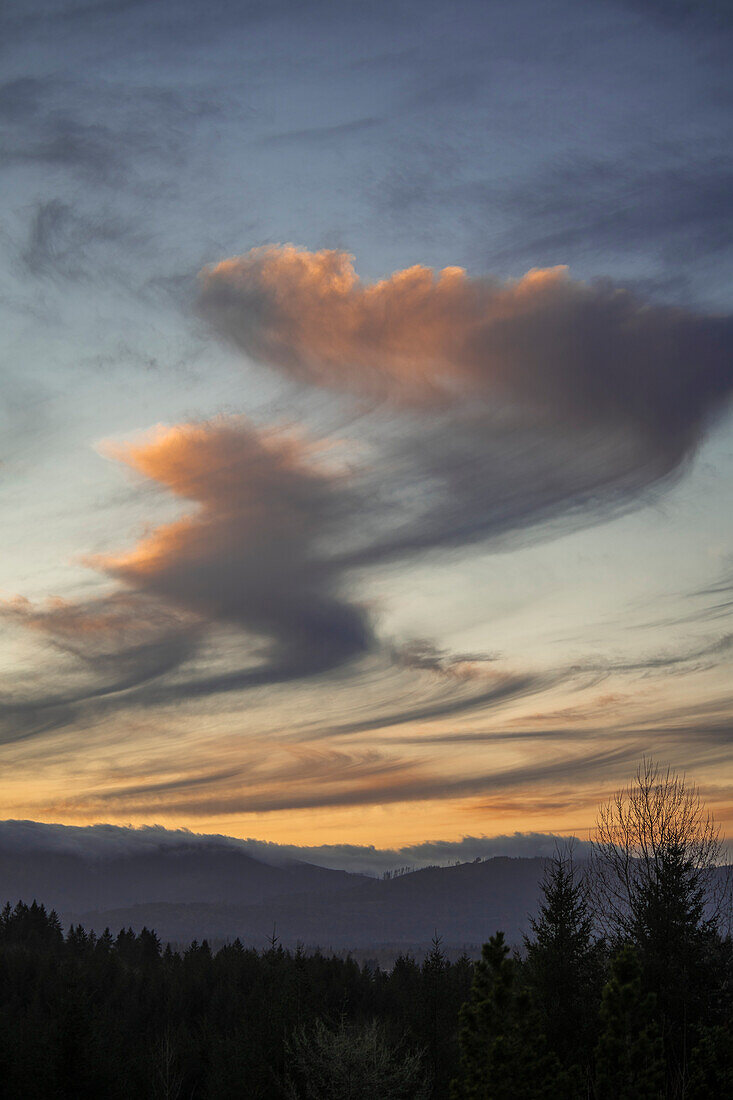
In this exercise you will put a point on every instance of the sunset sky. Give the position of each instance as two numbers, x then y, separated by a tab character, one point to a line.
367	448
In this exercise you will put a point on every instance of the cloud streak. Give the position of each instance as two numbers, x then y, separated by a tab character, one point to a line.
314	779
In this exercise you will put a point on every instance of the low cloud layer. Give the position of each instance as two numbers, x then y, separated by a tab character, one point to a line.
105	842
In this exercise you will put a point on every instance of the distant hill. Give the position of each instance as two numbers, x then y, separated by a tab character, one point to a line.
465	904
199	873
198	887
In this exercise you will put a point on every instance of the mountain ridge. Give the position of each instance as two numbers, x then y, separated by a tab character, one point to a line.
464	904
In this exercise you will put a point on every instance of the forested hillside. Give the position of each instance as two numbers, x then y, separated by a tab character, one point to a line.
465	904
622	990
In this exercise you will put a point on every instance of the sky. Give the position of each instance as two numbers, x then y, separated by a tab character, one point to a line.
367	451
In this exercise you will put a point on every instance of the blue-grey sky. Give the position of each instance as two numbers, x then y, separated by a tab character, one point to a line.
367	453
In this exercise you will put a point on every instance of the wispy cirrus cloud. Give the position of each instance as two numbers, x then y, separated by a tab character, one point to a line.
674	209
98	650
313	779
60	240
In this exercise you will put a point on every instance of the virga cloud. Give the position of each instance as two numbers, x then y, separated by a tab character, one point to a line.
544	347
511	404
255	551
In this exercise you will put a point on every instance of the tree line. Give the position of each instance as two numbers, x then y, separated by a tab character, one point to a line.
622	990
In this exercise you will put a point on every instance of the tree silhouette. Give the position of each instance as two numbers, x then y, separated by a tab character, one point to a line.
435	1017
503	1053
629	1056
564	963
655	861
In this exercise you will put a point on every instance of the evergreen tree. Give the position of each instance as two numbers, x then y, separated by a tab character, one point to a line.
436	1006
711	1064
564	964
405	992
629	1058
503	1052
31	926
105	943
148	946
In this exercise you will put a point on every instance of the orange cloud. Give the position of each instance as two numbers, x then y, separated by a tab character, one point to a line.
111	621
255	551
308	313
248	486
544	346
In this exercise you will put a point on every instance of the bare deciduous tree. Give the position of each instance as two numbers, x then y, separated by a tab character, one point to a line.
659	886
656	846
352	1063
169	1078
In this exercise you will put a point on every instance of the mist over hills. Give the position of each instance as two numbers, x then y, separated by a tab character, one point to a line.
72	882
104	841
188	887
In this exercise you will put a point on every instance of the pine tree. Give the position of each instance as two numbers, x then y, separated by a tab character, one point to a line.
105	943
503	1052
434	1003
564	963
711	1064
78	942
148	946
629	1058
